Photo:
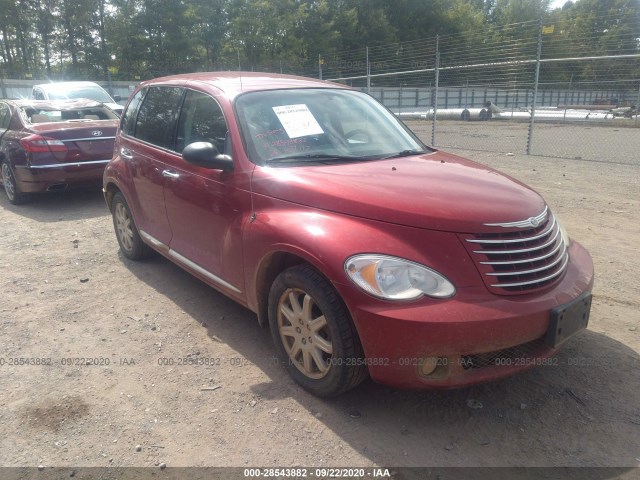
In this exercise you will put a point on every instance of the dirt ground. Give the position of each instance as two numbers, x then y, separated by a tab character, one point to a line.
68	294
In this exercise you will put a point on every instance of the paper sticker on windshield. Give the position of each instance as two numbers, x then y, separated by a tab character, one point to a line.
297	120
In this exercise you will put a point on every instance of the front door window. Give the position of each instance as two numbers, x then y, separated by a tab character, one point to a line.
201	120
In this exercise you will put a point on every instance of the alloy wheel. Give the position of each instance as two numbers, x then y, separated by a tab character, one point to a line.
304	333
7	180
123	226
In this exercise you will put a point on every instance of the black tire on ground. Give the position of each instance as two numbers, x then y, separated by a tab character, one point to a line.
15	196
127	234
304	308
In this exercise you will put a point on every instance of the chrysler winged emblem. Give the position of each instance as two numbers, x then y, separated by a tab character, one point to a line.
528	223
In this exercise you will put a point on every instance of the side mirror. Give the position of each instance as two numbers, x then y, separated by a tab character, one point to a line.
117	98
205	154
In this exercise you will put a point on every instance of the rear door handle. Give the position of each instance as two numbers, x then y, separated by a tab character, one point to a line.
170	174
125	153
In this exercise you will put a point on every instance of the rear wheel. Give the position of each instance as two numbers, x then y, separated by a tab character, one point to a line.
14	194
314	334
129	239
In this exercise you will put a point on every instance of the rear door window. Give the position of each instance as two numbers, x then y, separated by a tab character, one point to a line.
156	122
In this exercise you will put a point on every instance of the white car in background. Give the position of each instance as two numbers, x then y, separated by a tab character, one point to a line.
72	90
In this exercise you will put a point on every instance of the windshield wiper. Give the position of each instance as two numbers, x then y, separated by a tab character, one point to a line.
404	153
316	157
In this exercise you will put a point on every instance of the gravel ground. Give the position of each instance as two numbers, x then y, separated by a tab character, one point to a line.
68	294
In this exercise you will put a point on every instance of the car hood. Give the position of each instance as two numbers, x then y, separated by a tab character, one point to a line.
437	191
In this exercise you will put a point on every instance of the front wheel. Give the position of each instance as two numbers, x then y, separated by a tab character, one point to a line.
314	334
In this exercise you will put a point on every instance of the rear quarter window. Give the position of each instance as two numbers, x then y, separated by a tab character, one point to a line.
5	116
128	122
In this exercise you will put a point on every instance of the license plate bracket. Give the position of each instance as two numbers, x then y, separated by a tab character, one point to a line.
568	319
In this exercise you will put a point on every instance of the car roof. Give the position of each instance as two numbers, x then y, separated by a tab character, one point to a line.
66	85
235	83
55	104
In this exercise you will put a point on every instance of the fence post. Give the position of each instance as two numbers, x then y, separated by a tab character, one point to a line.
535	89
637	105
368	73
565	98
466	95
435	100
320	66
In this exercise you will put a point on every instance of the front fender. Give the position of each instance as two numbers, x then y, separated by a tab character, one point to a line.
326	239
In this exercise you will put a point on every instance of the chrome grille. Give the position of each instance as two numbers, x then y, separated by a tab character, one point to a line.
520	260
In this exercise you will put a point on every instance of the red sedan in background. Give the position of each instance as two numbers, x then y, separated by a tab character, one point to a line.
52	145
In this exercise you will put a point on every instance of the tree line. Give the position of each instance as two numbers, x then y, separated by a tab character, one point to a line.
138	39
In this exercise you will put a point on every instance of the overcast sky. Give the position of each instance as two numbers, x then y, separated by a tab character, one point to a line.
557	3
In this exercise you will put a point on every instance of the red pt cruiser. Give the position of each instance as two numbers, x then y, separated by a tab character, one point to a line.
366	252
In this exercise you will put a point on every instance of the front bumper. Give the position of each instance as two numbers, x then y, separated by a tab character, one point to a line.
476	335
41	178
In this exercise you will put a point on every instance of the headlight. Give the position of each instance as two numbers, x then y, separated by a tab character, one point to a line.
395	278
565	236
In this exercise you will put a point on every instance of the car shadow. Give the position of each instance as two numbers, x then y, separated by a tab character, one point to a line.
580	411
77	204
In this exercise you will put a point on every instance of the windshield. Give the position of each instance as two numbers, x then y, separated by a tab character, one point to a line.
300	126
92	93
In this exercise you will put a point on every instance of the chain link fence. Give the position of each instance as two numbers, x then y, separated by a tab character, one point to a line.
543	95
537	87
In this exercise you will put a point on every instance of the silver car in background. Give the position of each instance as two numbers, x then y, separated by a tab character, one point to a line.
73	90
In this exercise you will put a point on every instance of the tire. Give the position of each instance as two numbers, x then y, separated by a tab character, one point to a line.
127	234
303	308
15	196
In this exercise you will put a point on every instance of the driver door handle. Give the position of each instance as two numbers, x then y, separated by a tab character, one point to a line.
126	154
170	174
